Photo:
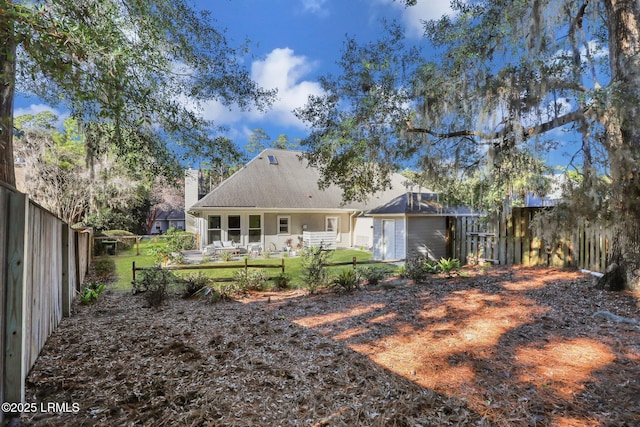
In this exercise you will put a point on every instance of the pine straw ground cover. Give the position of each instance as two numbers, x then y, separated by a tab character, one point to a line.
506	347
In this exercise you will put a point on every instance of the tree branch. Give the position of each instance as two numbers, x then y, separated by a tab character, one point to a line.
528	132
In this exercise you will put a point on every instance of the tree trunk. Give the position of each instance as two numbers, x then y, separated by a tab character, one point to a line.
7	90
622	122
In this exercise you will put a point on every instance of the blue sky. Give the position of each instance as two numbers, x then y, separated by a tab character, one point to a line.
292	43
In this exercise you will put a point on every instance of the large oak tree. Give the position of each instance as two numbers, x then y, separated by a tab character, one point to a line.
508	77
134	73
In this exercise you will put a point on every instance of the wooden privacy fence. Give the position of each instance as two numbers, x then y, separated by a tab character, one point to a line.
44	264
510	240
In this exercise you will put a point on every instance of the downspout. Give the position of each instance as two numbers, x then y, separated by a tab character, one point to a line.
351	227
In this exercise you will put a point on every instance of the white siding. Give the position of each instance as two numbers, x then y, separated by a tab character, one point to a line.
427	236
363	232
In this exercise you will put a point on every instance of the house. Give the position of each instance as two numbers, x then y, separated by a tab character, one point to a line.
168	218
274	199
412	223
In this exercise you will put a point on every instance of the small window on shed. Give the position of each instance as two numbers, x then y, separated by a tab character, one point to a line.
272	160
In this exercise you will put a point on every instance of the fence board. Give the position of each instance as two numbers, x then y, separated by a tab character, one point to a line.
15	371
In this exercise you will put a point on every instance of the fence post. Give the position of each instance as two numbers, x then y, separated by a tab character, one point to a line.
15	359
246	265
133	270
67	283
282	265
354	263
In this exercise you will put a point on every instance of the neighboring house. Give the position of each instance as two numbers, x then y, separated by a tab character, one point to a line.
274	198
167	219
554	196
412	223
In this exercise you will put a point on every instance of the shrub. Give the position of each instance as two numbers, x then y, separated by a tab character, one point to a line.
348	280
313	269
170	250
226	255
282	280
124	239
178	240
449	266
193	284
250	280
154	283
103	268
373	274
417	268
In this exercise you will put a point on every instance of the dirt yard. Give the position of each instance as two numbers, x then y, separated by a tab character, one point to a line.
505	347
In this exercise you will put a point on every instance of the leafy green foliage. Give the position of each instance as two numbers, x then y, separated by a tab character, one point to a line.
120	67
373	273
418	267
91	292
448	266
250	279
154	284
347	280
282	280
103	269
313	267
194	284
171	247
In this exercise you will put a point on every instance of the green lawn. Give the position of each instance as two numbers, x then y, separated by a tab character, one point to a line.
125	259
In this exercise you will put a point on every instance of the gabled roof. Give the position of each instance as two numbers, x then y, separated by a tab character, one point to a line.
412	203
280	179
170	214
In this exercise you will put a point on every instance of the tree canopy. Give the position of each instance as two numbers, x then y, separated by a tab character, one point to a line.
508	81
134	74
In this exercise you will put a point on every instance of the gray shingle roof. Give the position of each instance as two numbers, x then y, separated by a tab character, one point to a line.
417	204
289	184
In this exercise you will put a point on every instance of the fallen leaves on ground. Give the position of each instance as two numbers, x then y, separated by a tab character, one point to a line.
506	347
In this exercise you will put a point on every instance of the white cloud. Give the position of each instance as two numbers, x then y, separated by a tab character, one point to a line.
282	70
424	10
315	7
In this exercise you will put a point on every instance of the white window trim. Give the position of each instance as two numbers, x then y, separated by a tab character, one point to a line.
288	218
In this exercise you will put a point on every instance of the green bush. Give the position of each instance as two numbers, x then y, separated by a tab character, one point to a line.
373	274
313	267
282	280
178	240
448	266
154	283
103	268
250	280
194	283
417	268
347	280
125	239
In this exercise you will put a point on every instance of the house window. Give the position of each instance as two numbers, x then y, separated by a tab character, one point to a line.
331	224
284	225
255	229
214	228
233	228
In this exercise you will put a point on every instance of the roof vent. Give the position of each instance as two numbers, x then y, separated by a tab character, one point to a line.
272	160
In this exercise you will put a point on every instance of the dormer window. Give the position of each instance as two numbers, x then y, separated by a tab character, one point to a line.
272	160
